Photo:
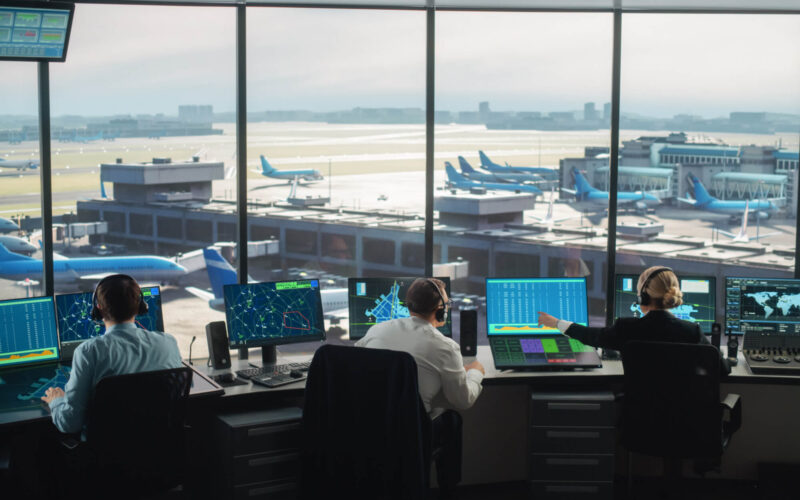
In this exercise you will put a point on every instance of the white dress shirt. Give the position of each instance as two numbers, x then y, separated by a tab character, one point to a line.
443	382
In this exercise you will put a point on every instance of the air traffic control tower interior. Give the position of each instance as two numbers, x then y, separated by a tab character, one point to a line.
276	175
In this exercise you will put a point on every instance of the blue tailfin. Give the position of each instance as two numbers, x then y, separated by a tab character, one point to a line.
220	273
266	168
465	166
452	175
582	186
700	193
103	190
6	255
485	161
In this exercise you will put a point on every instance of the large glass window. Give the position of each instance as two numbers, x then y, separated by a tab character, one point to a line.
20	181
521	90
142	114
707	118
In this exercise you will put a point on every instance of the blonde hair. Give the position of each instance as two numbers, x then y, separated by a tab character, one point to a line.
664	289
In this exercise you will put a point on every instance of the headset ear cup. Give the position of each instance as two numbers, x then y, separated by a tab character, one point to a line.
142	306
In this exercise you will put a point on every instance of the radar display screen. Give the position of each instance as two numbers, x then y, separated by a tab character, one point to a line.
74	313
375	300
35	31
699	299
273	313
762	305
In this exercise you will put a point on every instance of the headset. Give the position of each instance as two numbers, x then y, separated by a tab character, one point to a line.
644	299
96	314
440	314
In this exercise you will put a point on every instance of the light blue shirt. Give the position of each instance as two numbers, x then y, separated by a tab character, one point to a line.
123	349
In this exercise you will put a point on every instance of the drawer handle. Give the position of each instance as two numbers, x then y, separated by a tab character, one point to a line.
272	429
574	406
253	492
572	461
571	489
573	434
256	462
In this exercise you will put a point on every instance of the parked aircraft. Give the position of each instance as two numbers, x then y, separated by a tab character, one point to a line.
704	201
8	226
19	164
545	173
142	267
221	273
586	192
459	181
268	170
16	244
517	177
741	236
548	219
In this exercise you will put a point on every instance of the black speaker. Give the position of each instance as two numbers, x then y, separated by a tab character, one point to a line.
733	347
469	332
218	351
716	332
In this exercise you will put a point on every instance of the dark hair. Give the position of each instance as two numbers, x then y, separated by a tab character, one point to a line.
422	297
119	298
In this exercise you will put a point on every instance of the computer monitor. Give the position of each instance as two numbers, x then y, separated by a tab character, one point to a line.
28	332
513	304
273	313
35	31
765	306
699	299
374	300
75	323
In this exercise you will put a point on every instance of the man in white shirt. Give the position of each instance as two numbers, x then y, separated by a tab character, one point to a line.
444	381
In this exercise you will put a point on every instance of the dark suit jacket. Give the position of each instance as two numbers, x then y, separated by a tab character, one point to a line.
655	326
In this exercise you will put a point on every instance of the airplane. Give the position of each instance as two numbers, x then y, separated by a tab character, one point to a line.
19	164
221	273
471	173
586	192
459	181
548	219
16	244
486	163
14	266
741	236
8	226
704	201
268	170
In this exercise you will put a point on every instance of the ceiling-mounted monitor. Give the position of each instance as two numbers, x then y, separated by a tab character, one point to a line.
35	31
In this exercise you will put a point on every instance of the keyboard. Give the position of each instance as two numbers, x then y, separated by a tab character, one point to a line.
273	370
276	379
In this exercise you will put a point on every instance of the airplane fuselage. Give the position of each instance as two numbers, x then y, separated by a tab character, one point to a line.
19	164
736	207
601	198
143	268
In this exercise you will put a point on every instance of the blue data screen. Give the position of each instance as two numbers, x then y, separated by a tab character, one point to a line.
74	313
33	33
27	331
512	305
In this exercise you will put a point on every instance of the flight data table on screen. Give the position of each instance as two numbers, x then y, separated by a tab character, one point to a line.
513	305
27	331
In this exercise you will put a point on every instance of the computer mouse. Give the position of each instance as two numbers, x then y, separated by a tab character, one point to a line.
295	374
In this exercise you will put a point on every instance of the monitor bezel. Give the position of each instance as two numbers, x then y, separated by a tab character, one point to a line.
797	280
58	338
351	287
548	278
712	279
46	6
277	341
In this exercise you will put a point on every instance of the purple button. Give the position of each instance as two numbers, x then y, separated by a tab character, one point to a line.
530	346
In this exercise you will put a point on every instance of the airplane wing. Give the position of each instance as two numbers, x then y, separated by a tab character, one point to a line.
730	235
200	293
765	235
687	201
337	314
94	277
570	191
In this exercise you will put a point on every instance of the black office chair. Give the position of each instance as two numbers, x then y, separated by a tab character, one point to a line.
671	404
366	431
135	431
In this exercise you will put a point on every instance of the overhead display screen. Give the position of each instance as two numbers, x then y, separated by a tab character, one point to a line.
34	31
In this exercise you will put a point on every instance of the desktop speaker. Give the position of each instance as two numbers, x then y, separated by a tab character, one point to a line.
469	332
218	351
733	347
716	332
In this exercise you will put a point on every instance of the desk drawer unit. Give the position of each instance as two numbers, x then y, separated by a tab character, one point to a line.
259	454
572	440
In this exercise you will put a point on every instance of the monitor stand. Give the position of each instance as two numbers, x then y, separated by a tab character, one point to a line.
269	356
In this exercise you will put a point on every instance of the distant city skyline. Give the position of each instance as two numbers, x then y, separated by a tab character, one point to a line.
142	59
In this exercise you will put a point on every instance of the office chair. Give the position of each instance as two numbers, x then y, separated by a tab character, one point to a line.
366	431
135	431
671	405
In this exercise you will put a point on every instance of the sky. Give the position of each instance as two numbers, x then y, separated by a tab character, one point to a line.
149	59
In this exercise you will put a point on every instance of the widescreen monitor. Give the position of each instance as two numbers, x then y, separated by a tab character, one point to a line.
766	306
513	304
699	299
75	323
35	31
375	300
273	313
28	332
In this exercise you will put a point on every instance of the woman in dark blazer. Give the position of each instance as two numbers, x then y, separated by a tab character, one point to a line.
659	290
